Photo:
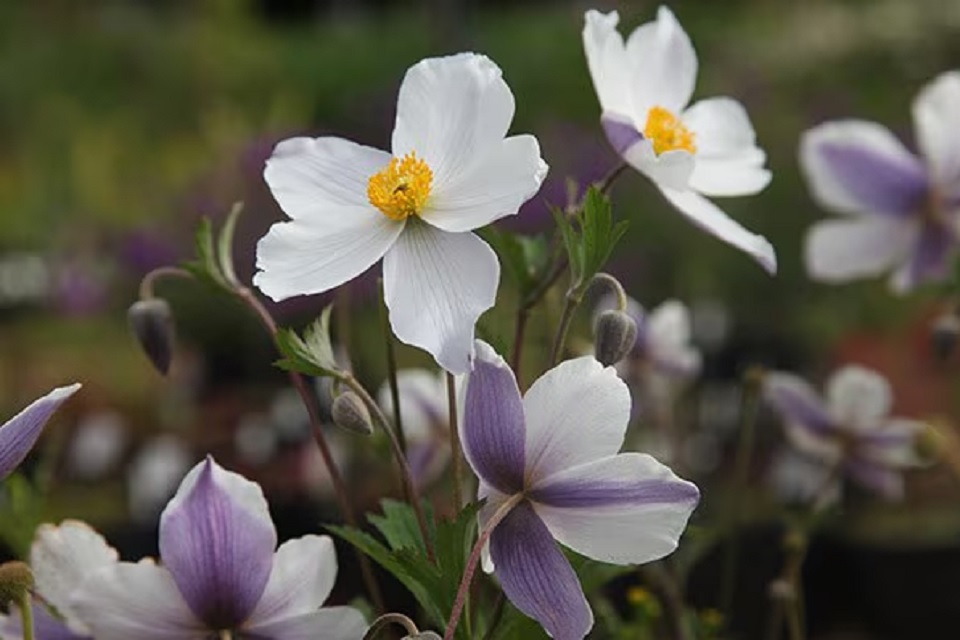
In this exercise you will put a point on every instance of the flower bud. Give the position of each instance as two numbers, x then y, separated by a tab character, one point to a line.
350	413
944	335
152	323
614	335
16	580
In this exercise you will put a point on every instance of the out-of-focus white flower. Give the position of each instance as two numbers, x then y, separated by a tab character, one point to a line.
706	149
902	211
97	445
451	170
154	474
851	431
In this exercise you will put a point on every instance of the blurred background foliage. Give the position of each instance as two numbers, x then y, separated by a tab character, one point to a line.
123	122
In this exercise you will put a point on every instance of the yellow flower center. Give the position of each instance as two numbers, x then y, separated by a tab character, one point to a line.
401	190
667	132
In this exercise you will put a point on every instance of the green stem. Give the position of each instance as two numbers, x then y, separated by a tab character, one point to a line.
391	618
572	300
456	461
523	313
26	613
392	371
664	584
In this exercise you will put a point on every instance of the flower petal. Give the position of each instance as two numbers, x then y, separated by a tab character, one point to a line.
576	412
930	259
667	332
663	65
494	186
728	161
711	219
858	398
886	482
797	402
436	285
837	251
624	509
320	178
329	623
62	558
139	601
303	574
669	169
452	111
536	576
938	129
45	626
423	402
853	166
20	433
308	256
217	540
892	444
492	429
607	61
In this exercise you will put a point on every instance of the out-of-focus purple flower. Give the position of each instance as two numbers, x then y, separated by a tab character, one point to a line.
903	210
425	416
221	571
81	286
143	250
20	433
550	471
850	431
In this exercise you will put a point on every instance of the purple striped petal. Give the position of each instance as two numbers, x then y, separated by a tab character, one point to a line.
575	493
536	576
797	402
620	132
882	480
880	183
45	626
930	260
217	540
493	426
20	433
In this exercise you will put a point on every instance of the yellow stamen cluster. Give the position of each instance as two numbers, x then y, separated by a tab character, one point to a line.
667	132
401	190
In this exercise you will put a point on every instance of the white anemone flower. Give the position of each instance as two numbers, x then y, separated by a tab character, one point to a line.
706	149
451	170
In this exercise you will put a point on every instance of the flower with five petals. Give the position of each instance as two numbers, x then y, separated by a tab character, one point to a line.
706	149
550	472
451	170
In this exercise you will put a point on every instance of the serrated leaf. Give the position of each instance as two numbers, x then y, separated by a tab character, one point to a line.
524	258
311	355
572	242
225	245
398	525
204	267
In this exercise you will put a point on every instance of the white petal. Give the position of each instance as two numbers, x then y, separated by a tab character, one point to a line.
824	447
892	444
670	169
632	530
711	219
136	601
452	112
843	250
329	623
62	558
663	65
494	187
938	129
607	61
319	178
304	571
436	285
855	166
576	412
728	161
304	257
423	401
859	398
493	500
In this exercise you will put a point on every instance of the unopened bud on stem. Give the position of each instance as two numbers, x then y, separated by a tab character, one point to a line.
152	323
16	580
350	413
613	336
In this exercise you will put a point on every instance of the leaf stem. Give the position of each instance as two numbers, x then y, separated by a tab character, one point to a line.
456	461
392	369
391	618
571	301
26	614
149	281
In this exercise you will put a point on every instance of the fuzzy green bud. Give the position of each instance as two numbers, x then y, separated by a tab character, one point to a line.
16	580
613	336
152	324
350	413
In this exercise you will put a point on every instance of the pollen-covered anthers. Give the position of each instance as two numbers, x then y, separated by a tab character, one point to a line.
667	132
402	188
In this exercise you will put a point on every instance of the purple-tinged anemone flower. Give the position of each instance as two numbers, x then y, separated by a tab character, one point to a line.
550	458
644	86
850	431
425	415
903	210
219	573
20	433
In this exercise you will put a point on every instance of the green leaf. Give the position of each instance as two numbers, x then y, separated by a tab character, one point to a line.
205	267
225	245
398	525
572	242
311	355
525	258
599	233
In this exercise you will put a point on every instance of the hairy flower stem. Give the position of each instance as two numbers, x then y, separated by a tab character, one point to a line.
391	618
409	487
150	280
573	299
26	615
340	489
664	584
392	369
749	407
464	589
456	458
